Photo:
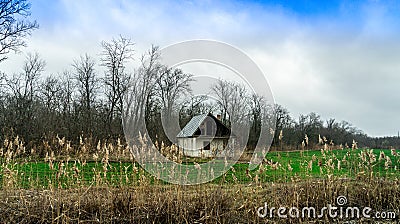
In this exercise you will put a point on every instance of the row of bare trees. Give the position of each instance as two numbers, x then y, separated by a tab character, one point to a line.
84	101
36	105
330	130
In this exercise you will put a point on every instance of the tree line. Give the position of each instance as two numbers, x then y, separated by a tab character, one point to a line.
83	101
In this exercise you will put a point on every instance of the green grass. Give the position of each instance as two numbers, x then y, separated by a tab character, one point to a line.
39	174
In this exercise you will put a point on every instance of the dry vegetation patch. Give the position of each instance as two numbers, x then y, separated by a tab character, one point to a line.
190	204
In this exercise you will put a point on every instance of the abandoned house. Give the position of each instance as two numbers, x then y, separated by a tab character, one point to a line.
204	136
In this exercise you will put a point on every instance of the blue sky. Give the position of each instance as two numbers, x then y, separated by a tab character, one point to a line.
337	58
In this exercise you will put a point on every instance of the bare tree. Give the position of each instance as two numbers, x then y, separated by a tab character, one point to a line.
171	84
138	96
195	105
283	119
24	84
233	100
24	87
49	104
257	110
68	95
222	90
152	87
239	104
51	91
3	86
68	88
115	54
13	26
87	83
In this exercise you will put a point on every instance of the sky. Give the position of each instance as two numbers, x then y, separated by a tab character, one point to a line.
340	59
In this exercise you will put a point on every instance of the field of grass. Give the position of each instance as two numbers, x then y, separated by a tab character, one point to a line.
103	183
277	167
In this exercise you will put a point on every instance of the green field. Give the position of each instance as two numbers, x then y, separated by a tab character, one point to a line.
115	189
277	167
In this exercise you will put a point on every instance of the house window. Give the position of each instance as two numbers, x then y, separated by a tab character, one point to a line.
208	128
202	129
206	145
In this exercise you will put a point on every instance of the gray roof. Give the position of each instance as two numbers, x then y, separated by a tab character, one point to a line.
192	126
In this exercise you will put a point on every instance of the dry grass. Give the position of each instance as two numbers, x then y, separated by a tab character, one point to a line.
144	201
190	204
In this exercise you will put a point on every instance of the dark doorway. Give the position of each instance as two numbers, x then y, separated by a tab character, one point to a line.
206	145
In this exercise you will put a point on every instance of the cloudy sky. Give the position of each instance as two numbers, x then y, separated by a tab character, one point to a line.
340	59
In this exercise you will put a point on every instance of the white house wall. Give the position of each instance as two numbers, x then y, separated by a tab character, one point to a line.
193	147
